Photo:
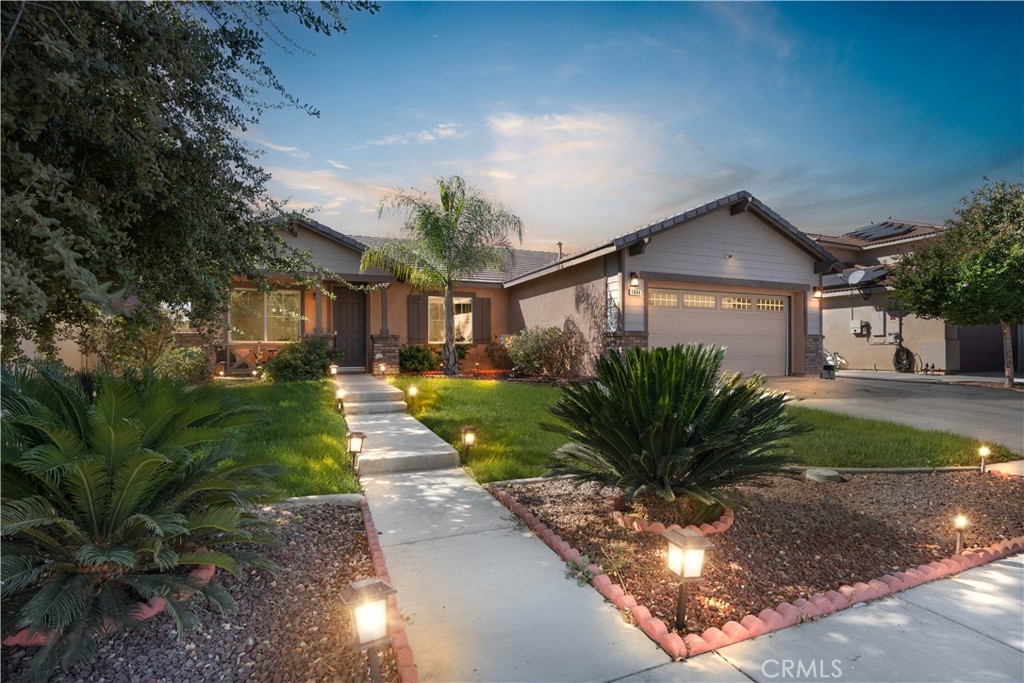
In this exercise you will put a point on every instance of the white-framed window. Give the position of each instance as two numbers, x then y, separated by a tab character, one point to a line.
663	298
463	308
265	316
772	303
698	300
735	303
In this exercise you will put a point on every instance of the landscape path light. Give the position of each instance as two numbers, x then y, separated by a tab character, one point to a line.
367	601
333	369
984	452
687	551
959	523
339	395
355	447
468	438
412	391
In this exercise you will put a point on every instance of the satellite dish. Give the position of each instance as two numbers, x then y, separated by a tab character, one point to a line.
856	276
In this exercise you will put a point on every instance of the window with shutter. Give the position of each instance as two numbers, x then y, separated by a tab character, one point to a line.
481	321
417	319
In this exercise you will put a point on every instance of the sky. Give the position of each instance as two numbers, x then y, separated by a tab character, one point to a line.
590	120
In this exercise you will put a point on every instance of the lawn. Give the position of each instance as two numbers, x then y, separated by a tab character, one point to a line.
512	445
300	428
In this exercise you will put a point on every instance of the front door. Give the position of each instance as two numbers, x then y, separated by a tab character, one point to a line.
350	326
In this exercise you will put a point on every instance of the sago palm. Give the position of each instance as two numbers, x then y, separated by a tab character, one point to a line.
448	239
666	423
111	493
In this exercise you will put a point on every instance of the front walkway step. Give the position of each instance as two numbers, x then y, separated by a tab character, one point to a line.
396	442
371	407
386	393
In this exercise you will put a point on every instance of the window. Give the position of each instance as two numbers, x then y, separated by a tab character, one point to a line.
663	298
735	303
265	317
463	310
699	300
771	304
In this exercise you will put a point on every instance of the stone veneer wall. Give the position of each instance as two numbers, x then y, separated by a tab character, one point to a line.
814	354
386	345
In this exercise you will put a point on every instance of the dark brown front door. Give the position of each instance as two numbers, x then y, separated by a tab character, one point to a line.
350	326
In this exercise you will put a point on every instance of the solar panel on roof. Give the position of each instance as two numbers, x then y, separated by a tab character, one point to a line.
881	231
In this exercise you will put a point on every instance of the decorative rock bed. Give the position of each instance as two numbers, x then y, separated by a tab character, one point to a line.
905	516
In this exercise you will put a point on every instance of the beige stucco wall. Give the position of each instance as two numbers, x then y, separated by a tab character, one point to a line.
933	340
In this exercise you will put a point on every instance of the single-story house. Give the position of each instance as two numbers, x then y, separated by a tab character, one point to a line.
861	324
730	272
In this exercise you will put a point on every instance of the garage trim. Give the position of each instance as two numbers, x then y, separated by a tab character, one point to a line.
726	282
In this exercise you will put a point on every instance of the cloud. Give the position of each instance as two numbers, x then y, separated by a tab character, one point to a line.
253	136
754	24
441	131
337	164
332	195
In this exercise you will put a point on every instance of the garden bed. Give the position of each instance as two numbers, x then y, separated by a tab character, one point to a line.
292	627
791	538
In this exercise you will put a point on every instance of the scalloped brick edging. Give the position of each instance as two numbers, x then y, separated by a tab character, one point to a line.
613	506
785	614
399	640
141	611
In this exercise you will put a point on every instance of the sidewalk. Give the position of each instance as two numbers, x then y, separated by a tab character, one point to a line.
995	378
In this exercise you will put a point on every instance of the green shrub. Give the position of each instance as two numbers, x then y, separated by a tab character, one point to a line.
549	351
497	354
418	358
185	364
308	359
664	424
111	495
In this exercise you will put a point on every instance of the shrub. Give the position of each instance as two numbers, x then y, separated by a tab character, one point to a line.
185	364
497	354
549	351
664	424
418	358
110	498
308	359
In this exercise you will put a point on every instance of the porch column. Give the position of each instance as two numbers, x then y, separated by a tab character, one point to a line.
384	311
318	316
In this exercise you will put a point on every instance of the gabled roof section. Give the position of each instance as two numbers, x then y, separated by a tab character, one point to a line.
290	223
881	234
738	202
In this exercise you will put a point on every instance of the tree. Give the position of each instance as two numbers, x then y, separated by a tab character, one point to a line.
974	273
449	238
125	185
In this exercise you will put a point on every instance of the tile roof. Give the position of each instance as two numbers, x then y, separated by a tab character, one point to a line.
878	234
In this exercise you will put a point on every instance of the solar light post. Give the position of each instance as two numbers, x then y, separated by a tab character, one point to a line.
412	392
367	600
334	370
687	551
339	395
468	438
959	523
355	447
984	452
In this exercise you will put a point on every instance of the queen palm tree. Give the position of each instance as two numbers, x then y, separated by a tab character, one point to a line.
449	238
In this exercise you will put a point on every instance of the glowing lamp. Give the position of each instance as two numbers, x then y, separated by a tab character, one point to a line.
339	396
383	368
468	437
687	551
355	447
816	293
634	280
334	369
959	523
984	452
367	601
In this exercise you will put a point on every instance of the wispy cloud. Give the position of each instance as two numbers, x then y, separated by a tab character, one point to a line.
336	164
253	136
755	24
332	195
441	131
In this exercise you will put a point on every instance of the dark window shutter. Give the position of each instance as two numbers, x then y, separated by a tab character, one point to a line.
481	321
417	318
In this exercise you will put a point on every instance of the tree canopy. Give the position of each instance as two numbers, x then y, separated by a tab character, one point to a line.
974	273
125	185
449	238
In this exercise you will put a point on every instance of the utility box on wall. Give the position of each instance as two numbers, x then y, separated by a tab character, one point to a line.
859	327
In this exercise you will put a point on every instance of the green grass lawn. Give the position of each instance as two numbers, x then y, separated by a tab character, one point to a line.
512	445
507	416
301	429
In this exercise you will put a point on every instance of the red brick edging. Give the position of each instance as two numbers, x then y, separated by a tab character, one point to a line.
614	508
783	615
399	641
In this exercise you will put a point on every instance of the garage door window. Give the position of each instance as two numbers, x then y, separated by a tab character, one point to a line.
698	300
663	298
771	304
735	303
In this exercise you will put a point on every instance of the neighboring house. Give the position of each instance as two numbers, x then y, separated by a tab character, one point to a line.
730	272
862	325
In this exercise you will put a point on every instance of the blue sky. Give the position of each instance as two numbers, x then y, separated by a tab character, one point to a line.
592	119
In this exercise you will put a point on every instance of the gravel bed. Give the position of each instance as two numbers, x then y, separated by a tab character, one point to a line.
792	537
291	627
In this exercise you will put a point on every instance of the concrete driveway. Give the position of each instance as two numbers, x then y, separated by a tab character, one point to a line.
992	415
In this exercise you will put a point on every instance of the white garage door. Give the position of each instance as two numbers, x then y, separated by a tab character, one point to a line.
752	326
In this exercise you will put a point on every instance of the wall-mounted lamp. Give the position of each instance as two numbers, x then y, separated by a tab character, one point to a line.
816	292
634	280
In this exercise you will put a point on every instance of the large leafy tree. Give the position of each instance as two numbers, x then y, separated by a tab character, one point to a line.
974	273
125	184
448	238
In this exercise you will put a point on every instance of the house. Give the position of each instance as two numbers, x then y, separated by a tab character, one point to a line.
864	327
730	272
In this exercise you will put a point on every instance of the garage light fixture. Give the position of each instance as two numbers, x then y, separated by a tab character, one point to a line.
634	280
816	293
367	601
984	452
687	551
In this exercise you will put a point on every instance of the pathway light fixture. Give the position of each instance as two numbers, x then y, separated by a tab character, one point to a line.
468	438
959	523
687	551
367	601
984	452
355	447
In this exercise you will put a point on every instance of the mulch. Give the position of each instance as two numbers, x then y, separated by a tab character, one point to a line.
791	538
291	627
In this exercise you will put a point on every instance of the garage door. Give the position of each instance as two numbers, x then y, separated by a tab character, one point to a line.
752	326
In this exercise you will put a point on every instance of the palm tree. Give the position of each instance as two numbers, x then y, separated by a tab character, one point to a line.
449	239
